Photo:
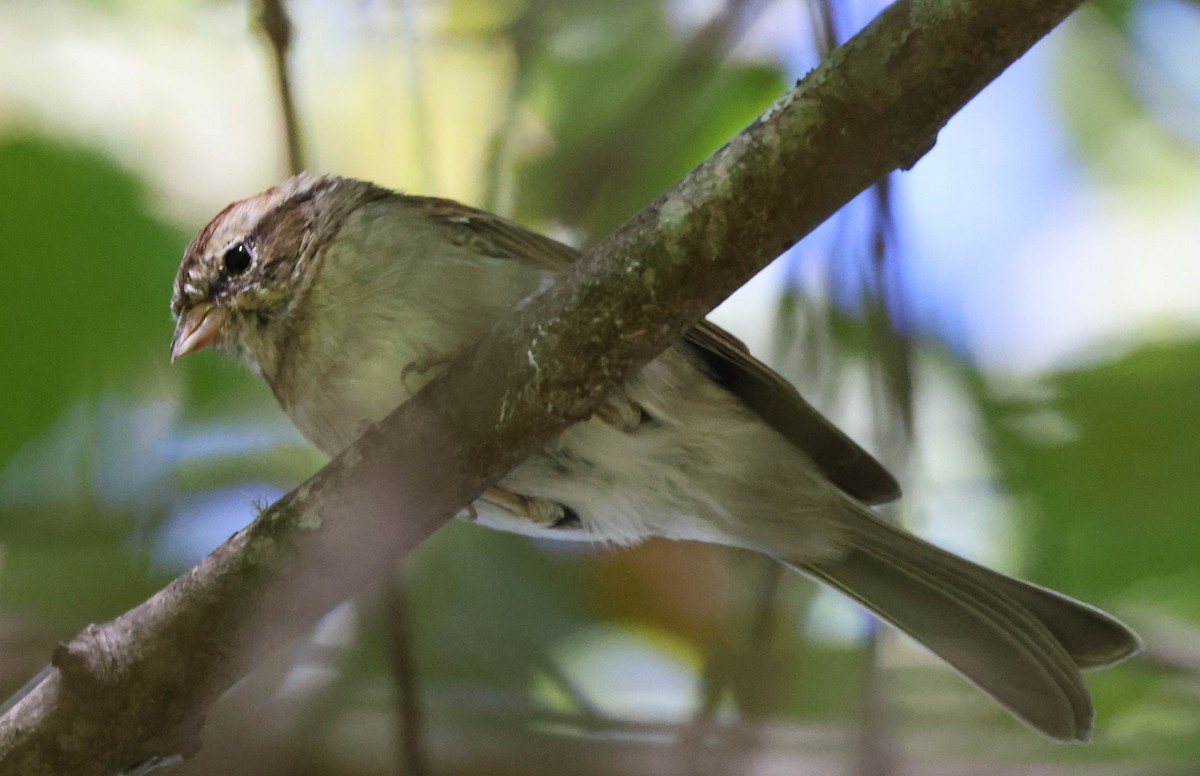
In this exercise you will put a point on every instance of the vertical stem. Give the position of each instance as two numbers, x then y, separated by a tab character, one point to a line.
277	26
410	745
719	673
524	35
875	755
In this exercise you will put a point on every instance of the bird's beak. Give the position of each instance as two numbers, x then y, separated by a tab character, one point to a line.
198	328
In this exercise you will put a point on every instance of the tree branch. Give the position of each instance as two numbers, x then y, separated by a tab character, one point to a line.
137	688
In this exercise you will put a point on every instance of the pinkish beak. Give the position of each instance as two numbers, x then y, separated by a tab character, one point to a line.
198	328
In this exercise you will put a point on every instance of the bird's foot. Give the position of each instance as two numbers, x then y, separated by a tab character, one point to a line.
418	367
621	412
536	510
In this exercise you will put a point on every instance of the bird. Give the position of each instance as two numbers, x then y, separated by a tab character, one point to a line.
348	297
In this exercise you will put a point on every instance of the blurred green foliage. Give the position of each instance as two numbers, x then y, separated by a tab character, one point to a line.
85	269
1103	469
1113	504
1117	12
678	100
1129	115
83	319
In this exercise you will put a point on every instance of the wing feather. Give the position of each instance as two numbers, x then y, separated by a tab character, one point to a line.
761	389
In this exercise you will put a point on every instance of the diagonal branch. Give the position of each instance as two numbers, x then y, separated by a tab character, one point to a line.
136	689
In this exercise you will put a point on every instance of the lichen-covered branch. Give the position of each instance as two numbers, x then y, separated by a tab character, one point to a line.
137	688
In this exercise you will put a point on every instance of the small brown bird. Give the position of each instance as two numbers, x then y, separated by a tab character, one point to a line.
347	298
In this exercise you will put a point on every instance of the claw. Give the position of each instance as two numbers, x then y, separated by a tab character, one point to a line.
621	412
422	365
536	510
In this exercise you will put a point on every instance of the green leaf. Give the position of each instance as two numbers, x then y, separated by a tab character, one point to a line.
1115	503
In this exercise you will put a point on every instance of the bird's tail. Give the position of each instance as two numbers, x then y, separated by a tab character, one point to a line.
1022	644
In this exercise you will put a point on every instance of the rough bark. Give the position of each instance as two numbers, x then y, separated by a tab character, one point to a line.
137	688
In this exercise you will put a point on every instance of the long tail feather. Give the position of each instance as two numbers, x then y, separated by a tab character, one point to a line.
1021	644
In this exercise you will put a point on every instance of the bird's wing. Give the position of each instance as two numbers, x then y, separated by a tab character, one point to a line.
781	406
761	389
492	235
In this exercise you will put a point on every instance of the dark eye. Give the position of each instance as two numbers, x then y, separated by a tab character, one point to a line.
237	259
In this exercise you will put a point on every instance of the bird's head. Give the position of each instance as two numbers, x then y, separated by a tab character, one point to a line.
243	274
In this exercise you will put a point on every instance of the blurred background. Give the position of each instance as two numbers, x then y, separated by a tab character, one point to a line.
1013	327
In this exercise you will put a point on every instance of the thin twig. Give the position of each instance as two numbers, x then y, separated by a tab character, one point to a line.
569	687
410	738
875	754
524	33
273	20
823	18
892	413
718	677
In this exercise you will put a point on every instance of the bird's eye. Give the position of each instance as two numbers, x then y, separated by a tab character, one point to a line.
237	259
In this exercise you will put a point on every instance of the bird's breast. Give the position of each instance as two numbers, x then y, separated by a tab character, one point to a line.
345	384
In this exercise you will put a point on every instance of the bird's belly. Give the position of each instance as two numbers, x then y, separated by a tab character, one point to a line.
701	467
